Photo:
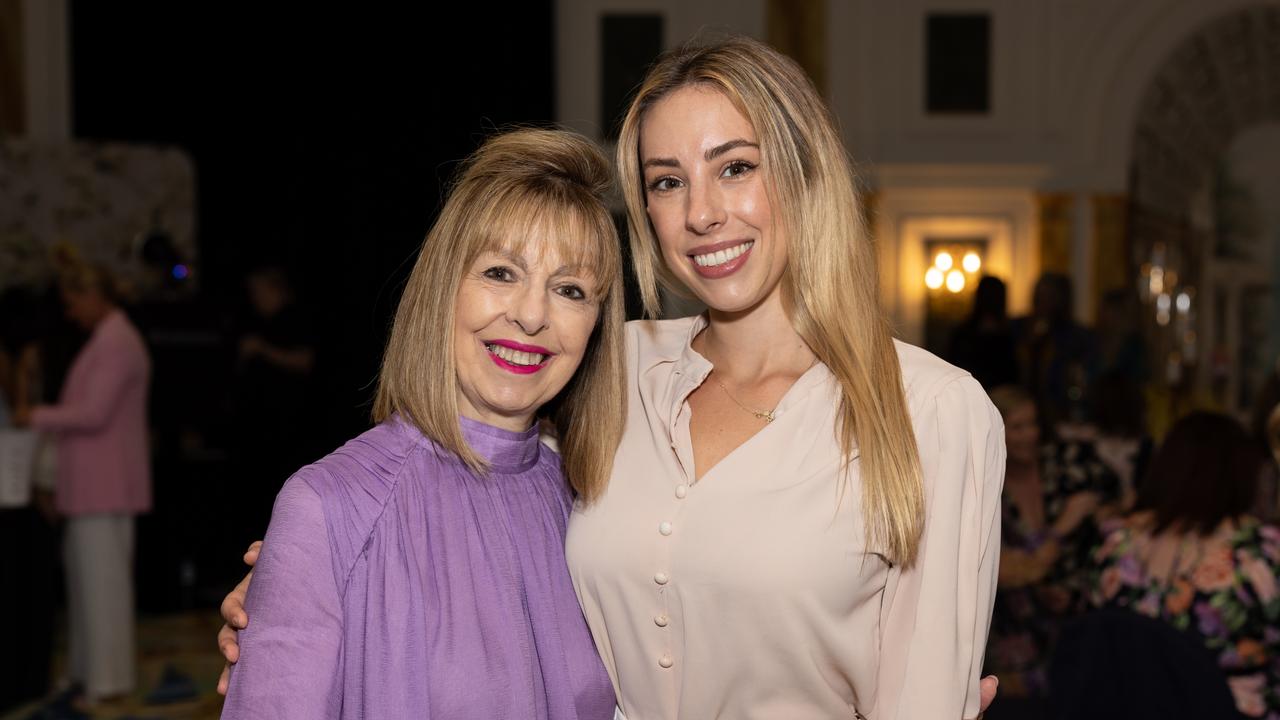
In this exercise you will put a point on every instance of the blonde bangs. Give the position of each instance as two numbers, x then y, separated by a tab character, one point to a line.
575	232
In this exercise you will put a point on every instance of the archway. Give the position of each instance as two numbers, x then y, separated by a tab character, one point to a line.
1219	87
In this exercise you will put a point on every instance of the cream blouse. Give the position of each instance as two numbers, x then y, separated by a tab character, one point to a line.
752	593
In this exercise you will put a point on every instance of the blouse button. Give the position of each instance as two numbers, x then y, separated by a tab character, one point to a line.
665	661
664	528
661	578
660	621
682	491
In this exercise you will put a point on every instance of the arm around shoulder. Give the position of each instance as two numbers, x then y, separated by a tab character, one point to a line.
291	653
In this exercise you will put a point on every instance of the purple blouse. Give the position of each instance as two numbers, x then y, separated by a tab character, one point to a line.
395	583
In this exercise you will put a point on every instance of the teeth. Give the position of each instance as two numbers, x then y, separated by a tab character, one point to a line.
516	357
723	256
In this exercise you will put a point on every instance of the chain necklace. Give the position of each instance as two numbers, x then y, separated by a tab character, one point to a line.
769	416
765	416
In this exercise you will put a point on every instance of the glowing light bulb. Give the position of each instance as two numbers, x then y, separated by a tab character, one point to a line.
933	278
955	281
943	262
971	263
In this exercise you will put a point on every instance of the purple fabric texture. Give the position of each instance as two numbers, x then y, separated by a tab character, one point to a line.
396	583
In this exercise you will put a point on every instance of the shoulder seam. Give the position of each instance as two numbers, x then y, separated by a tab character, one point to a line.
373	525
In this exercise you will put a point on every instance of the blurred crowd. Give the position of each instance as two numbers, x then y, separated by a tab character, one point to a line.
1134	570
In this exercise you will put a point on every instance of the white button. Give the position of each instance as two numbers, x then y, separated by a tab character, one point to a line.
661	578
660	621
664	528
682	491
665	661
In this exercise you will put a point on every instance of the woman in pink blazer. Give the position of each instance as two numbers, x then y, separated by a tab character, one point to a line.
104	480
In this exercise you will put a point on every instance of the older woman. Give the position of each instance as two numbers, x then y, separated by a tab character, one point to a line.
418	571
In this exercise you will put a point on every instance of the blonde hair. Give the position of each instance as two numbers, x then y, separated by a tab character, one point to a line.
81	276
830	285
554	181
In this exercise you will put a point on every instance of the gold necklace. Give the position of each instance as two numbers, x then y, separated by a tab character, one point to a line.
765	416
768	417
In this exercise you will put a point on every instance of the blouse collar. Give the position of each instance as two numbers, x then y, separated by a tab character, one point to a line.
506	451
693	370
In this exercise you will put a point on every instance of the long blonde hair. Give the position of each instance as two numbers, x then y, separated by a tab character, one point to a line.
547	179
830	286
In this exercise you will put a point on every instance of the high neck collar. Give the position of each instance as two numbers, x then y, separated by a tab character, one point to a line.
506	451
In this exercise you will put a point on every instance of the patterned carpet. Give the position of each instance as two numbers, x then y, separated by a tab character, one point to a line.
185	643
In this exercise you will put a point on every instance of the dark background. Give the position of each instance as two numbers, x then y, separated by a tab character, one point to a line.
322	142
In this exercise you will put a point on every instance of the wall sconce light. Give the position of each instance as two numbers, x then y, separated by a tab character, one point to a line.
945	273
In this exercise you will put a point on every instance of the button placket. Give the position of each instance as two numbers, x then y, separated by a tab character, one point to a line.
666	524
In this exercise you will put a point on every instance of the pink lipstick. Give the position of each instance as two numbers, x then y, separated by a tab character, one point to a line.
517	357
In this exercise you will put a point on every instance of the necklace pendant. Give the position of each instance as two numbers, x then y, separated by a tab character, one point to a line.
767	417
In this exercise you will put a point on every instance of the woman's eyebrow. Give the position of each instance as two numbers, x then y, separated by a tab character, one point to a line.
662	162
723	148
512	258
710	155
579	271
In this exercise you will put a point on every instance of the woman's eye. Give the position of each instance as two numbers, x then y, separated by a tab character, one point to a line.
737	168
573	292
664	183
499	273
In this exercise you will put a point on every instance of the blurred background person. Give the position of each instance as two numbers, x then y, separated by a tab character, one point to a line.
104	480
1057	357
1266	506
28	566
274	415
1121	350
1052	491
983	345
1191	555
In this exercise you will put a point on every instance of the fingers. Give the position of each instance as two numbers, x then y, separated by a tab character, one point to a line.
987	691
233	604
228	645
251	555
224	679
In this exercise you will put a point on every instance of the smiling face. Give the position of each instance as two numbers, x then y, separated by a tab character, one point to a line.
522	324
707	197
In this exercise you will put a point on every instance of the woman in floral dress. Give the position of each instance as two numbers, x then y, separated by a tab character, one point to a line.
1191	555
1052	493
